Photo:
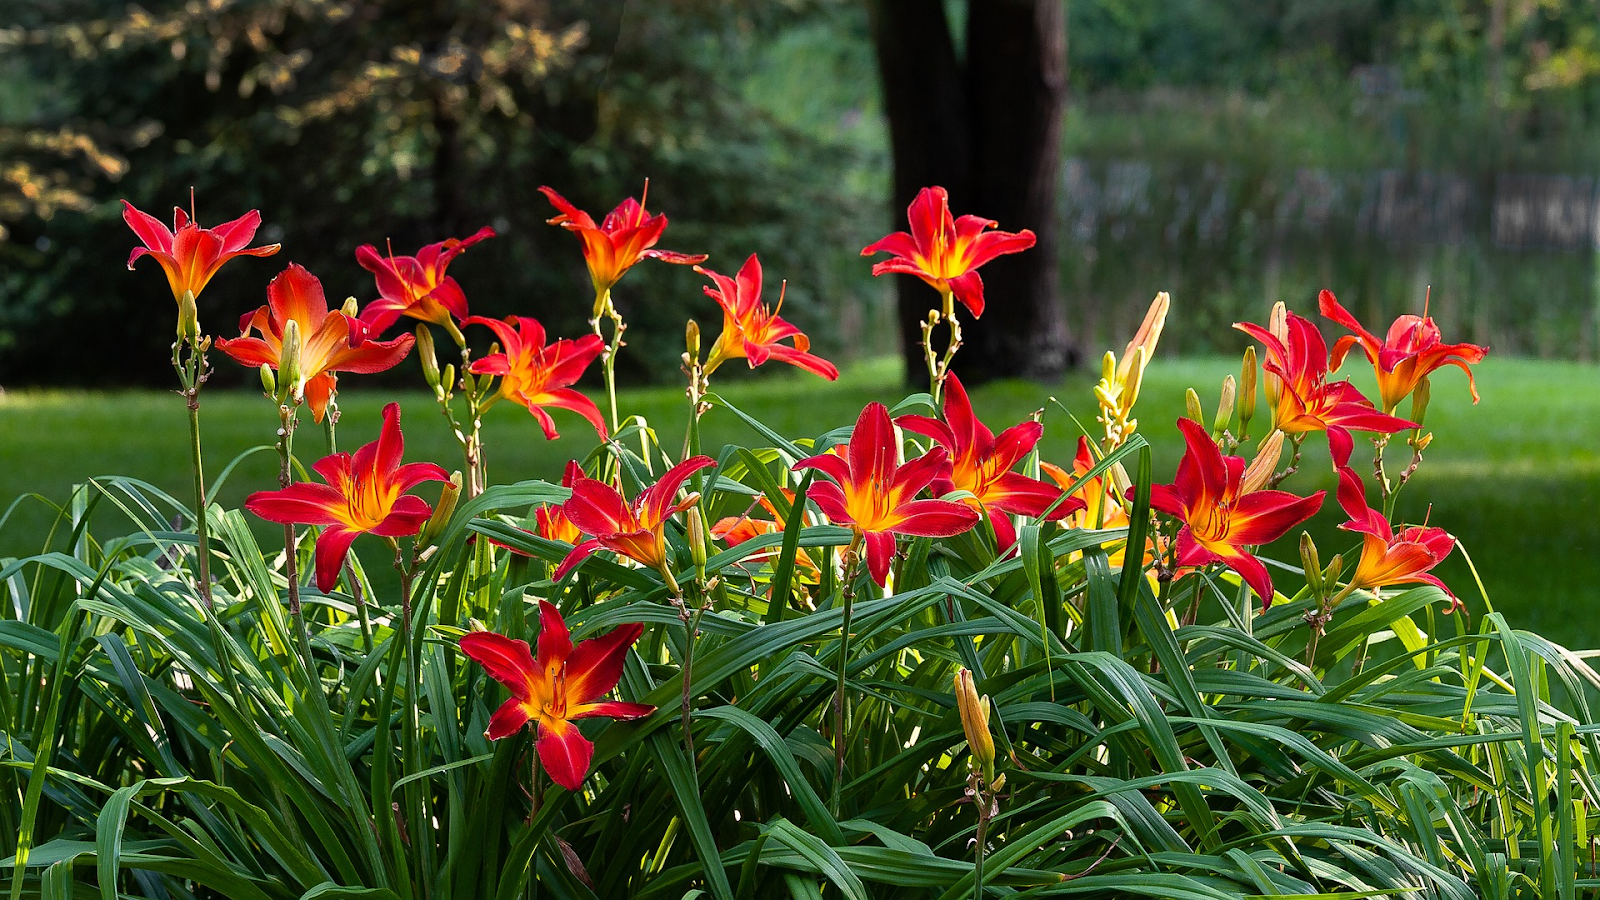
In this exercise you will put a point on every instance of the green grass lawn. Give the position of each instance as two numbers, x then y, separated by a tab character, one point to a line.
1516	478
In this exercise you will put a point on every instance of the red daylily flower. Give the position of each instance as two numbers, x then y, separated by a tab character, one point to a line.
751	331
1305	401
329	341
627	235
635	530
417	286
536	375
365	493
873	492
1388	557
564	684
1219	521
944	251
981	464
1413	348
189	254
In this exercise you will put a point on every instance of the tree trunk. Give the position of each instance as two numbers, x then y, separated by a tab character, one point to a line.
926	106
988	130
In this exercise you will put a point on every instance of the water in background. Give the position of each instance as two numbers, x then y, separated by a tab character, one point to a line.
1510	257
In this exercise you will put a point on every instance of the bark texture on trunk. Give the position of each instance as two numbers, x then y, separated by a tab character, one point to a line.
987	128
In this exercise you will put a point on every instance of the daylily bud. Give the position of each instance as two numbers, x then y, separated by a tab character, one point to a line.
447	377
1134	380
1419	400
691	340
1330	575
1225	406
1247	398
269	383
289	364
696	527
1421	443
350	307
1108	367
975	722
1259	472
442	512
1191	406
188	317
1311	564
425	352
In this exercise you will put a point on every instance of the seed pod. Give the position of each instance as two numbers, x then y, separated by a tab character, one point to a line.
1225	406
1311	564
975	723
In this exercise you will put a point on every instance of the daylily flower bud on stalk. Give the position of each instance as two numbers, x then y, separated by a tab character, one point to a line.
696	526
1311	564
448	495
975	722
447	377
691	340
269	383
1191	406
1260	470
425	351
188	317
1247	398
1419	401
1335	567
289	387
350	307
1225	406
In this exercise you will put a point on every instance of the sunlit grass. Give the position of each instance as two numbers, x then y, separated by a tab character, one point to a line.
1516	478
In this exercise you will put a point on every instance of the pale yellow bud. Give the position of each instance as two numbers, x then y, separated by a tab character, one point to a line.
1247	398
350	307
1191	406
1311	564
975	723
441	512
289	384
269	382
1259	472
425	352
1419	400
1225	406
188	317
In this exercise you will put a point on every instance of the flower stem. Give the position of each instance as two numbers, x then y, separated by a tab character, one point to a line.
980	851
847	594
192	375
939	368
691	628
288	418
608	359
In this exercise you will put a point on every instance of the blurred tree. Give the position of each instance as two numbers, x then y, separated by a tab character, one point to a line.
352	121
984	121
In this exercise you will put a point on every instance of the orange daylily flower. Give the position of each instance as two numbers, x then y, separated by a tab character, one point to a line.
550	522
635	530
1220	521
874	493
1102	505
536	375
735	530
1304	401
981	464
329	341
1413	348
1390	557
627	235
417	286
751	331
365	493
189	254
564	684
946	252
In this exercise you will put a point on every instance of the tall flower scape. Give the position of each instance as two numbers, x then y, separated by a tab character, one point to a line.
936	653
